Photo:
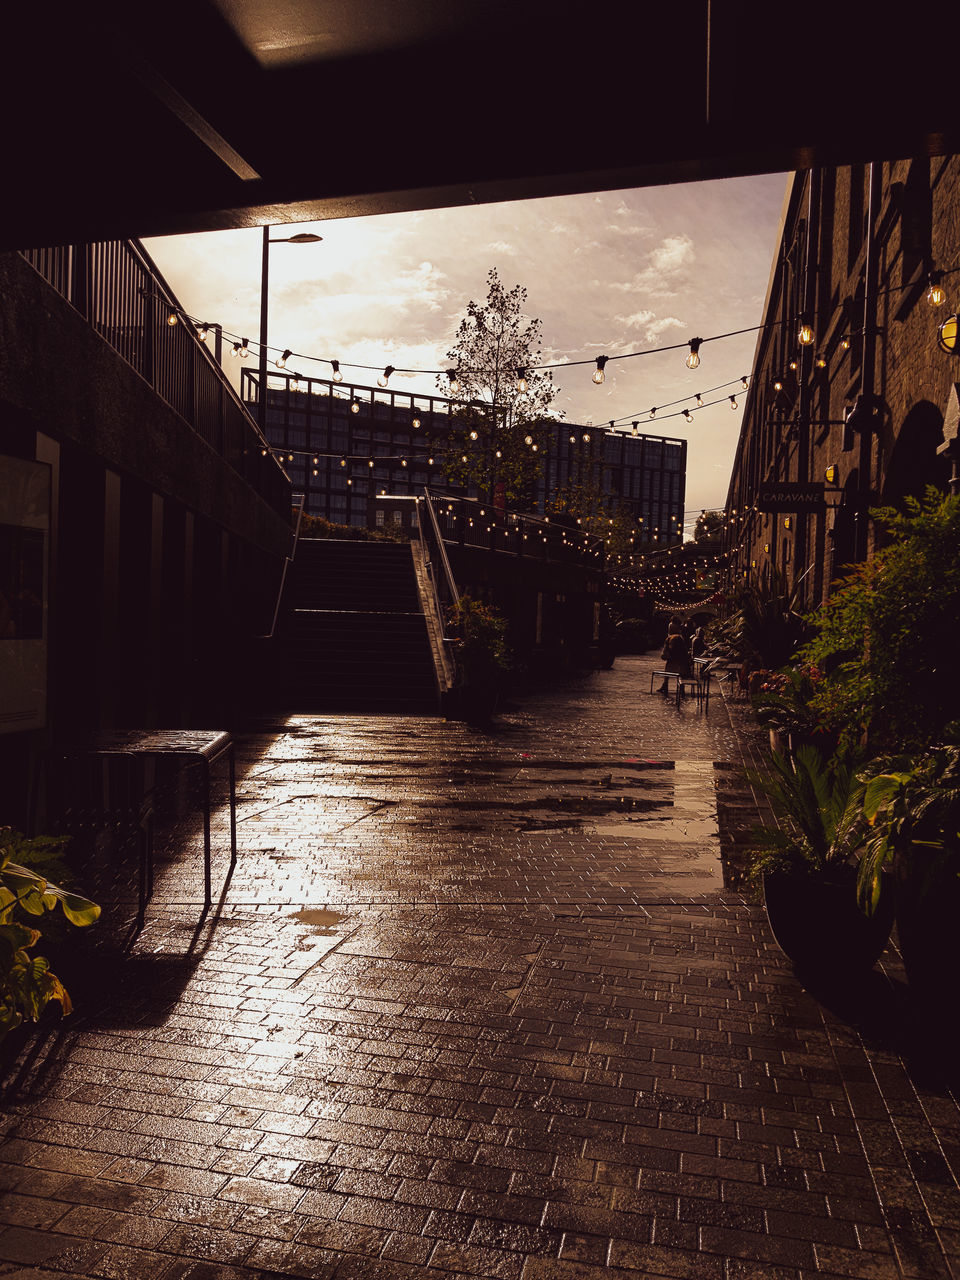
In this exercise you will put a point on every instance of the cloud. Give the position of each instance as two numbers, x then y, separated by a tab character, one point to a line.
665	269
501	246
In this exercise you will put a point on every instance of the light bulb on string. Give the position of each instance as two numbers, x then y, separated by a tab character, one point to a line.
699	399
693	357
337	375
634	428
281	361
354	406
653	412
416	422
172	319
202	330
688	415
385	376
744	382
522	383
805	335
936	294
454	379
599	374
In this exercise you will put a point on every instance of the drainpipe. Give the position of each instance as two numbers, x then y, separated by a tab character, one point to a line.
864	418
811	263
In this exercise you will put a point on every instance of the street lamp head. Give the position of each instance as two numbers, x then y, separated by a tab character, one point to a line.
302	237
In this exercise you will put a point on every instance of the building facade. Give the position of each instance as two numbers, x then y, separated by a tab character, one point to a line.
853	401
349	449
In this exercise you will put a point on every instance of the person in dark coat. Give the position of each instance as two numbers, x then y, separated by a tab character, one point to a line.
675	654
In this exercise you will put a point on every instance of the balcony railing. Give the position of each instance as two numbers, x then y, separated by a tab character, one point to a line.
118	290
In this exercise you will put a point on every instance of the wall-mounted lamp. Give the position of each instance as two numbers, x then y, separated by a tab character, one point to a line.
787	522
830	475
948	335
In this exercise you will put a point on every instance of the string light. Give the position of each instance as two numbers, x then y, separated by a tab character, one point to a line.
202	330
744	382
454	378
385	376
805	335
282	359
522	384
653	412
634	428
699	398
172	318
354	406
416	422
337	375
599	374
693	359
936	294
688	415
733	403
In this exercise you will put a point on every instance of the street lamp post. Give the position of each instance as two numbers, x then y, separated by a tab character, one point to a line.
302	237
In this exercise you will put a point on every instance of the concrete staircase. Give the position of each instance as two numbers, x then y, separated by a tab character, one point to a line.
352	632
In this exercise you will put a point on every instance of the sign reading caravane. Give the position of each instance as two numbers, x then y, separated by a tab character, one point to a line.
790	496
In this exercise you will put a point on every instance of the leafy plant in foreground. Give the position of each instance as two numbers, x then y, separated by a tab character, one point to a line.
27	984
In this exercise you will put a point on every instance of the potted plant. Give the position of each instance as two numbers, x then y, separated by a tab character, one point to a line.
913	807
783	704
807	865
482	657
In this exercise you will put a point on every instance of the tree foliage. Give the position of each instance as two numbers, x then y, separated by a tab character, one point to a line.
498	434
887	640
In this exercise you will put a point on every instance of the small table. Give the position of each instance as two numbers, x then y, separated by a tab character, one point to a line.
202	746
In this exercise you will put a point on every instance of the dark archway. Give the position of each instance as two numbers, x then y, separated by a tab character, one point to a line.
913	462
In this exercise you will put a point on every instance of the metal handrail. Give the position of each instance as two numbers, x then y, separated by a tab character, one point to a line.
508	532
287	561
450	581
119	291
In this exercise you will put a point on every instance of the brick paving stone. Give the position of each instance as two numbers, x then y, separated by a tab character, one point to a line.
477	1004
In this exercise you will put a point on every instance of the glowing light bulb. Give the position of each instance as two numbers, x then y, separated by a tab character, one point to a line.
235	349
634	428
744	382
821	362
354	406
202	331
653	412
343	462
337	375
936	294
586	437
385	376
172	319
454	378
733	403
805	334
793	366
415	423
699	399
473	435
573	439
688	415
244	349
599	375
845	343
522	385
778	385
403	462
294	383
693	358
282	359
528	439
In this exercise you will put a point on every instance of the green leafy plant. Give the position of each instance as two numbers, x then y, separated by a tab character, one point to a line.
783	702
27	984
819	807
887	640
913	807
483	657
765	628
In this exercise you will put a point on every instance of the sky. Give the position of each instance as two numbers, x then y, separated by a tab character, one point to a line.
606	273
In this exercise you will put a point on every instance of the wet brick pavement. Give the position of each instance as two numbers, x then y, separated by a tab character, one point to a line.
475	1004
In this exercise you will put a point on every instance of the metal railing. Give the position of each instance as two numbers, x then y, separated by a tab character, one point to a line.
467	522
119	291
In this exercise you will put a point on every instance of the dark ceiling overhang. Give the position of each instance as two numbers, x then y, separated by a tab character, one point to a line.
193	115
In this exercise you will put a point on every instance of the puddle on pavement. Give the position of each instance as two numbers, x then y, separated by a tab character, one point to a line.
320	918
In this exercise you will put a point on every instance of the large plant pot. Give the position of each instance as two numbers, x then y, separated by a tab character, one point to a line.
927	914
817	923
